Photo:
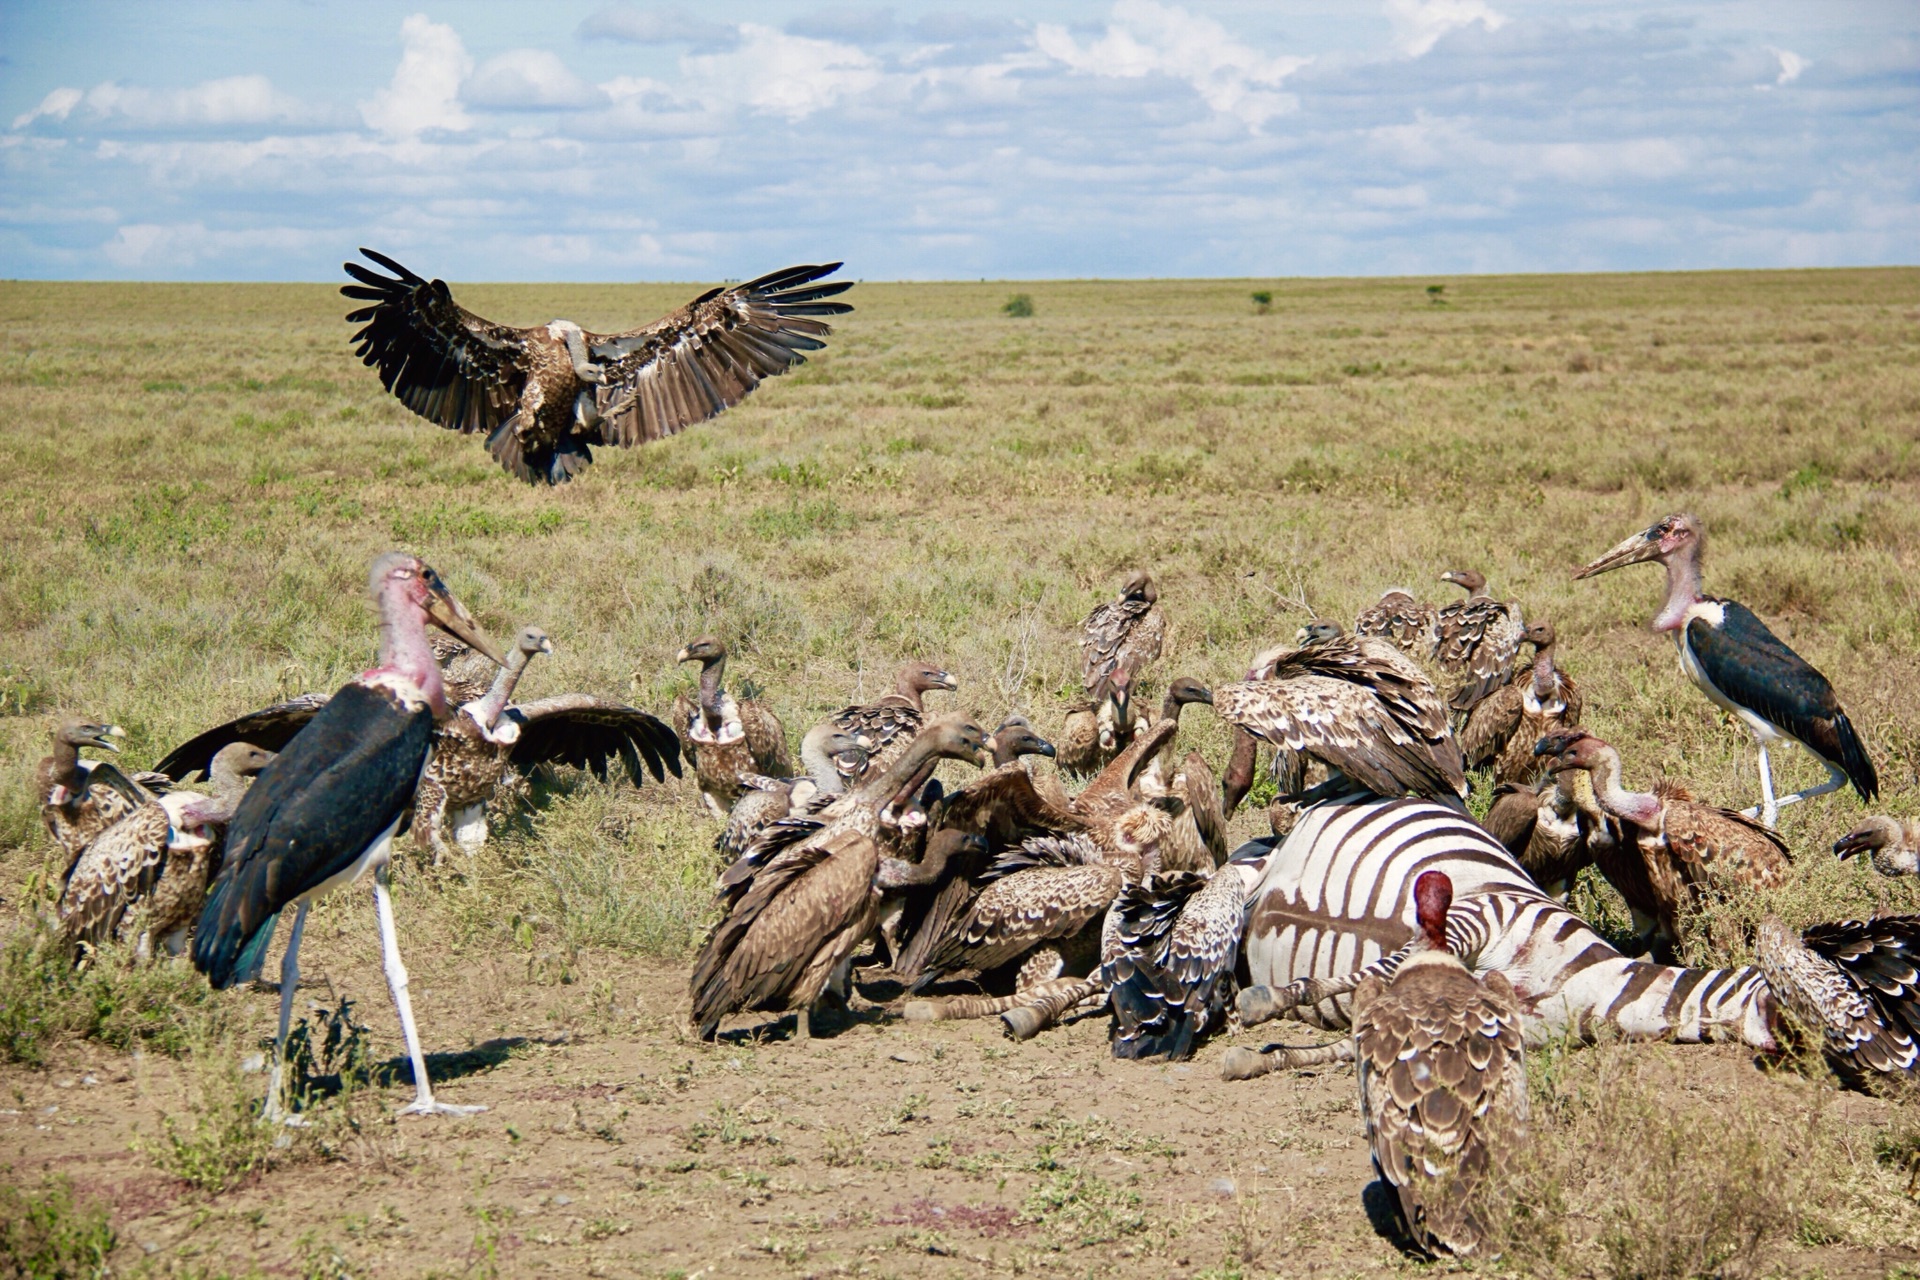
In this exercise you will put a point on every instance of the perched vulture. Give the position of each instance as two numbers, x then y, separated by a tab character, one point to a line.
1477	639
1124	635
469	760
884	728
1411	624
1502	728
1443	1081
545	395
81	798
726	740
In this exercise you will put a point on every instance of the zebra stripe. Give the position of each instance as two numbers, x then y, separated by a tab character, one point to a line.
1337	896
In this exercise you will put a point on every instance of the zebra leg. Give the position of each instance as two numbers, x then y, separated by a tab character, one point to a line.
954	1008
1244	1064
1044	1003
1262	1004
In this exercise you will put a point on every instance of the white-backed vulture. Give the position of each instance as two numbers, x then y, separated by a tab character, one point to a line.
1502	728
1477	639
883	728
726	739
1412	625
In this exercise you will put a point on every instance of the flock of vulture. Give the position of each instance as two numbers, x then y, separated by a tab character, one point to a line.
1005	893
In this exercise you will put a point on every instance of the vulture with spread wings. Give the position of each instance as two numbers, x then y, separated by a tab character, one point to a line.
545	395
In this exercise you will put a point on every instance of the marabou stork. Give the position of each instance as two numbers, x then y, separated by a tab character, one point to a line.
324	812
1744	668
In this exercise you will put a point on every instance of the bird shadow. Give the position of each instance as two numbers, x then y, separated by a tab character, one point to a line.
827	1023
1382	1207
456	1064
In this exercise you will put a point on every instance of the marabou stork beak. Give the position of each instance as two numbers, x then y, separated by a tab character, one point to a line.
452	617
1638	549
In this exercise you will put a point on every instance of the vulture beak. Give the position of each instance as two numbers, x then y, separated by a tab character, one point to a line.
944	680
1046	748
105	738
452	617
1859	840
546	645
1204	695
683	656
1641	547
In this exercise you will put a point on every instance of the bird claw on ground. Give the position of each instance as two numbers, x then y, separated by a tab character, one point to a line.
428	1107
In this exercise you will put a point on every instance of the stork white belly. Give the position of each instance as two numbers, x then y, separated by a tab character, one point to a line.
1764	732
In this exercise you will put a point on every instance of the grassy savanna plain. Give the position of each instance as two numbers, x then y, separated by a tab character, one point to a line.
197	477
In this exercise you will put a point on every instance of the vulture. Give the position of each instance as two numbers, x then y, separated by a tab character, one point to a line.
1476	639
1683	844
884	728
1173	979
1502	728
1359	706
1555	827
1892	845
1123	635
1095	732
153	864
1745	669
1442	1062
81	798
469	759
545	395
814	896
726	740
1411	624
1199	839
828	756
324	812
1854	984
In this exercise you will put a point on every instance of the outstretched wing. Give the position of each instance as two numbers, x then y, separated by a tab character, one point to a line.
711	353
1881	959
271	729
443	362
582	731
1345	727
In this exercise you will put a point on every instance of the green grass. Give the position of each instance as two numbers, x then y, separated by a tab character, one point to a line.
46	1235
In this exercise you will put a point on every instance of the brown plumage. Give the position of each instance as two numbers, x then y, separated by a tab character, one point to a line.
767	800
469	761
1360	707
78	798
1502	728
1408	623
1173	978
726	738
1441	1059
194	850
1198	841
546	394
885	727
1476	640
1124	634
1855	984
1555	828
1097	731
798	917
1683	844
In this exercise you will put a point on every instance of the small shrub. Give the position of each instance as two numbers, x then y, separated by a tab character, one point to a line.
44	1000
1262	301
1019	306
46	1236
1436	294
221	1141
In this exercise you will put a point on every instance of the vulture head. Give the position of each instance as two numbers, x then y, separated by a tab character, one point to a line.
532	640
1539	635
1470	580
707	651
1015	738
1676	535
88	733
1432	897
1876	833
236	762
1187	690
403	582
1319	631
1139	586
917	678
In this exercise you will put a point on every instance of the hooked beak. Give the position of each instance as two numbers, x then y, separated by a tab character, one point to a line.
984	757
546	646
1046	748
944	680
105	738
1206	696
1641	547
683	656
452	617
1859	840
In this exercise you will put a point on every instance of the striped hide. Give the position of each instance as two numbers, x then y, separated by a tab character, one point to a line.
1337	896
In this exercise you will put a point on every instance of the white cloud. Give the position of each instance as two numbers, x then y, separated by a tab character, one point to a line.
528	78
57	105
1419	24
150	246
228	101
634	25
425	90
780	74
1791	65
1146	39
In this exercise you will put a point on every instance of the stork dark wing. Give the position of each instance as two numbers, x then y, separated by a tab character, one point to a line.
271	729
316	808
443	362
711	353
584	732
1757	670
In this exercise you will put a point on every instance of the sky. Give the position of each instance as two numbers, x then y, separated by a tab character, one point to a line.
250	140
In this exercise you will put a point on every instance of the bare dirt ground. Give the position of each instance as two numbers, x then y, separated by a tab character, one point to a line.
615	1145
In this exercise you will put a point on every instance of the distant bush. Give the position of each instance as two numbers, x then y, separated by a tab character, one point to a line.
1434	294
1263	300
1019	306
48	1234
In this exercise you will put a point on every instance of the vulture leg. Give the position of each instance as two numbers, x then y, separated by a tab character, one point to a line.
801	1029
1244	1064
429	818
423	1103
289	980
1043	1003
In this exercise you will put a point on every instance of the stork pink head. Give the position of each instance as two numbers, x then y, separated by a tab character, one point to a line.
1432	897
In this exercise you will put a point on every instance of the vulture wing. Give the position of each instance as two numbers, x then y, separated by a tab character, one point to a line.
1881	959
585	732
443	362
711	353
271	729
1490	724
1180	938
1019	912
119	866
1108	640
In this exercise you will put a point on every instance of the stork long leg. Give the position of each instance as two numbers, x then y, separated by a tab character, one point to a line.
275	1112
1836	779
1768	810
423	1103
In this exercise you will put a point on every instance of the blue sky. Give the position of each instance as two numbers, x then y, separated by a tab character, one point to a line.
634	140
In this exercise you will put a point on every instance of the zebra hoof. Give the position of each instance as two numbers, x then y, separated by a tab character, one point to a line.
1243	1064
921	1011
1023	1023
1257	1005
